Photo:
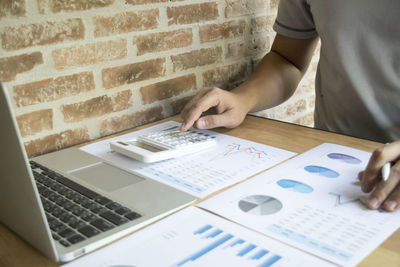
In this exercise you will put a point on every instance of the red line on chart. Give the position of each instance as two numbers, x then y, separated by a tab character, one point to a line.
236	148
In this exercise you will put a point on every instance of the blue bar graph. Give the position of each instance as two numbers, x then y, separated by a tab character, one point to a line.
203	229
214	233
246	250
237	242
214	241
258	255
205	250
270	261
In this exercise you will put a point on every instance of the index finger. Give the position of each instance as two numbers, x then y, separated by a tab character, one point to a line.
199	104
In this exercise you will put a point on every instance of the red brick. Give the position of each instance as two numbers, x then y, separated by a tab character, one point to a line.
56	141
117	124
89	54
12	8
142	2
97	106
55	6
167	89
179	104
257	44
223	76
194	13
53	89
197	58
11	66
35	122
244	7
50	32
117	76
126	22
214	32
163	41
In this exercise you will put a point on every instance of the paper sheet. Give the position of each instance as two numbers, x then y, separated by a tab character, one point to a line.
311	202
199	174
194	237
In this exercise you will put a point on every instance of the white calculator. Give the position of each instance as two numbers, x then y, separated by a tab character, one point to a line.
164	144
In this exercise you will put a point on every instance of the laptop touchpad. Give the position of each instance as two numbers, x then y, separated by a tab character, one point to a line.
106	177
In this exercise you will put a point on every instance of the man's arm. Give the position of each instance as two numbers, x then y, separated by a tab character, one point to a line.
274	81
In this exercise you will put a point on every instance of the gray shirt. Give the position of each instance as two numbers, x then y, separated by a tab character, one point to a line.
358	75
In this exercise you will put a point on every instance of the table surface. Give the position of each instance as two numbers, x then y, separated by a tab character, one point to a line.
15	252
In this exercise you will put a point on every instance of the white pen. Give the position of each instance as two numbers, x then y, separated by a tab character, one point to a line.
386	171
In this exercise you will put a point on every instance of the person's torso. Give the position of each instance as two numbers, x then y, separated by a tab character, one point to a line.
358	77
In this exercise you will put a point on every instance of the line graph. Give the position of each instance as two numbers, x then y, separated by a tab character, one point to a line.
342	200
235	149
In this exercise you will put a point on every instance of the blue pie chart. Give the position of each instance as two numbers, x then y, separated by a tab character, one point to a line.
344	158
322	171
295	186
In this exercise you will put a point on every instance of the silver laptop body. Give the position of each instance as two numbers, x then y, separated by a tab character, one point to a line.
21	208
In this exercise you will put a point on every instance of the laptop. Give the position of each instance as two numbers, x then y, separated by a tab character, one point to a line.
68	203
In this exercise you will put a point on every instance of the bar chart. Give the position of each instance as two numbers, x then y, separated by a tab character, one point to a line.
195	238
215	243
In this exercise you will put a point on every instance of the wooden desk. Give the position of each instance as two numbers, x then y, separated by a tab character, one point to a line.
15	252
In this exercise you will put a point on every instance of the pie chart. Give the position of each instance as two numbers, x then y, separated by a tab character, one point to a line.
344	158
295	186
322	171
260	205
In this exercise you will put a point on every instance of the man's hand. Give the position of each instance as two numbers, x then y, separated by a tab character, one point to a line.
274	80
219	108
385	194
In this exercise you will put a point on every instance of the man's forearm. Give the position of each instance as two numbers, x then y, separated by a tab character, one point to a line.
274	81
278	74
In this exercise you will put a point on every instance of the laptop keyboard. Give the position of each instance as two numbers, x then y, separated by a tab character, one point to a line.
74	212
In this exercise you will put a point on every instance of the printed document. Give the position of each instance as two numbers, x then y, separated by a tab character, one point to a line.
200	174
312	202
193	237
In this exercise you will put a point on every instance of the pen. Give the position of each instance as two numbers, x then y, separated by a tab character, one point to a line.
386	171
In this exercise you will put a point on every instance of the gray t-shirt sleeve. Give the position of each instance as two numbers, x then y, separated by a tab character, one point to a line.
295	20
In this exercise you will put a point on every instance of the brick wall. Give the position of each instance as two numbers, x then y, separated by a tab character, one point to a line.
82	69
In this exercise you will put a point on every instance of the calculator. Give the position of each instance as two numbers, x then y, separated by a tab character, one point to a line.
164	144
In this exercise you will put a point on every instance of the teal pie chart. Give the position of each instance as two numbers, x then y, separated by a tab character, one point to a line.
295	186
322	171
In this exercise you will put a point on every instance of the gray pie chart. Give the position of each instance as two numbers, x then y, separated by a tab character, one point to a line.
260	205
